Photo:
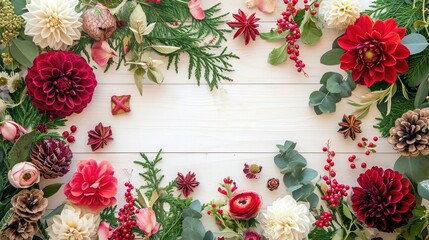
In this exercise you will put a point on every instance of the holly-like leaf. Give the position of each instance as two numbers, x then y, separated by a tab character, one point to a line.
278	55
21	149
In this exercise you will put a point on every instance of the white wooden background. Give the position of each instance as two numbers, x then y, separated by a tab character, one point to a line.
214	133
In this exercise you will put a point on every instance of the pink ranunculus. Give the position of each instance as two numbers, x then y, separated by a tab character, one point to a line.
244	205
101	52
265	6
104	231
10	129
196	10
93	185
23	175
146	221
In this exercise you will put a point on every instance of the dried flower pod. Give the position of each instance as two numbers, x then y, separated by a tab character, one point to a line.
350	125
98	137
98	22
19	229
120	104
409	136
30	205
52	156
273	184
252	171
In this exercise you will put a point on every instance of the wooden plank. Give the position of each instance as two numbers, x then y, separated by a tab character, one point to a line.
235	118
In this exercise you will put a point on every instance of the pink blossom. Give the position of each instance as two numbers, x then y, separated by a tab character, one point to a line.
101	52
10	129
104	231
196	10
265	6
23	175
146	221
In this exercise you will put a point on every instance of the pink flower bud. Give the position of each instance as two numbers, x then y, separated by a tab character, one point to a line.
196	10
101	52
9	130
104	231
23	175
146	221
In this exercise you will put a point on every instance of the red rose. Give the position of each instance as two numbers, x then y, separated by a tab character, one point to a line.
60	82
244	205
374	51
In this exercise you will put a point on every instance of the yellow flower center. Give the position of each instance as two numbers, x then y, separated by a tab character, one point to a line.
254	168
369	55
54	22
3	81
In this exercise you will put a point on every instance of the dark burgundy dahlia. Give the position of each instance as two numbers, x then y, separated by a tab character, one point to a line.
60	82
384	200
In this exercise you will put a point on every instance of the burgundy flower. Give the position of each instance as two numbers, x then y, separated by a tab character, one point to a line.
374	51
252	235
252	171
246	25
98	138
60	82
186	183
384	200
244	205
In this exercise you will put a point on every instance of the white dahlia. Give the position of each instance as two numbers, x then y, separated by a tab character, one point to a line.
53	23
73	223
340	13
287	220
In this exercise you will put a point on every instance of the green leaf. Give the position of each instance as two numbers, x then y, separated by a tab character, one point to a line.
290	180
54	212
189	212
18	6
278	55
165	49
422	93
51	189
192	229
308	175
423	189
311	33
415	42
294	187
5	219
21	149
332	57
302	193
209	236
155	75
419	23
138	79
313	199
24	51
274	35
346	212
415	168
333	84
316	98
138	23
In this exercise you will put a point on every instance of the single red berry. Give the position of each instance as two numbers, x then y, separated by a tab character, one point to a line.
367	153
364	139
209	212
313	12
332	154
73	128
371	144
70	139
65	134
359	144
325	149
363	165
316	4
351	159
219	223
326	167
332	173
375	138
352	166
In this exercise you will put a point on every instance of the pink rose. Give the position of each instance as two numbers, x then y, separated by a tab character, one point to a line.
23	175
244	205
146	221
10	129
104	231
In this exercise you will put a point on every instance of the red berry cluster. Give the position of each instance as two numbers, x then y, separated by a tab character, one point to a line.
288	23
324	220
227	187
369	147
216	212
67	135
352	159
335	191
127	217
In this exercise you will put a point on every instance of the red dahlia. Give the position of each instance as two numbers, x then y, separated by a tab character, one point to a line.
60	82
384	200
246	25
374	51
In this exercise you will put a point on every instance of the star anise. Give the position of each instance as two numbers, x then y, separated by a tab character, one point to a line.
98	138
350	126
246	25
186	183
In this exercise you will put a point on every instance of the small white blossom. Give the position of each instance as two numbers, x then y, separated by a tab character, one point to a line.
340	13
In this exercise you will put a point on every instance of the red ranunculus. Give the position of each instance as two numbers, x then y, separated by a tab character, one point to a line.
60	82
384	200
93	185
374	51
244	205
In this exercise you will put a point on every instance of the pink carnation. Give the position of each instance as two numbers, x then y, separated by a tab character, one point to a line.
93	185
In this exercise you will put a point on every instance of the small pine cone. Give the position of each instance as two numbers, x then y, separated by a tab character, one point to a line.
29	204
52	156
19	229
410	135
273	184
98	23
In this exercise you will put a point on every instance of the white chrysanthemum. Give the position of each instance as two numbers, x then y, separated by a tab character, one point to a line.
73	223
287	220
340	13
53	23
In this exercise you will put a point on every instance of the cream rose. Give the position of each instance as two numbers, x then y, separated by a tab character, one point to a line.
23	175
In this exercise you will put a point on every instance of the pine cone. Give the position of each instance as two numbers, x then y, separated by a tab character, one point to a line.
410	136
29	204
98	23
52	156
19	229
